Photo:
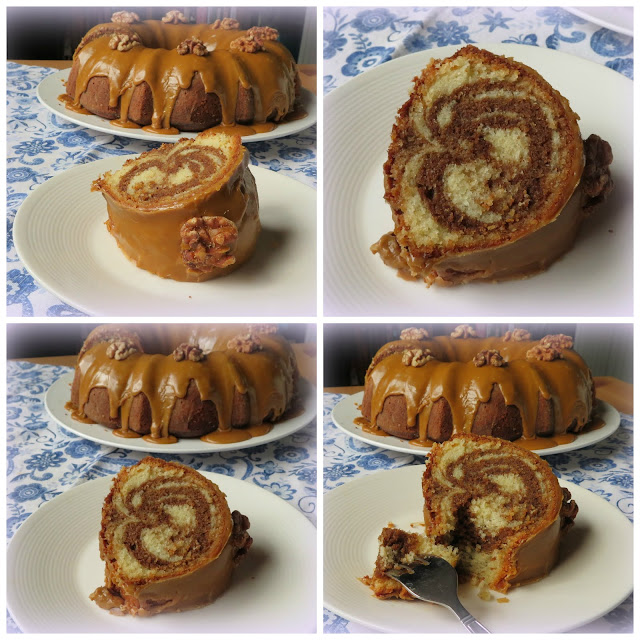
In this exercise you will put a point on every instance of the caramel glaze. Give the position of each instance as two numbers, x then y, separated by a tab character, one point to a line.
237	435
149	234
260	374
453	375
523	258
270	73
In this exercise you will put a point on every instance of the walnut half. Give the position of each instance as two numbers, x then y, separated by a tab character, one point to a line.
413	333
186	351
245	343
208	243
263	33
464	331
192	45
121	349
489	356
517	335
125	17
225	23
174	17
123	42
557	341
546	353
246	44
416	357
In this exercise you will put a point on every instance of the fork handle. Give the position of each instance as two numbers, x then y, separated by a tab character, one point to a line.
473	625
470	623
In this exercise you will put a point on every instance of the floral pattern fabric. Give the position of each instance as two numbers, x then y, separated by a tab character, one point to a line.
357	39
605	468
41	145
43	459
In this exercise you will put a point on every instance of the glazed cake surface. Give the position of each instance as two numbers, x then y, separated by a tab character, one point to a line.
427	389
484	155
187	211
168	540
226	382
169	74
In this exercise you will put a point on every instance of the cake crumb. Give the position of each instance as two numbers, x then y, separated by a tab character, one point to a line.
484	593
501	600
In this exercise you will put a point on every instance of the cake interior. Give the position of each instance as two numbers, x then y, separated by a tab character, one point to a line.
163	523
184	170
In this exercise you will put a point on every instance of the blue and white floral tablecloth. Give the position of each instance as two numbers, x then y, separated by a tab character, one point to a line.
41	145
43	460
606	469
357	39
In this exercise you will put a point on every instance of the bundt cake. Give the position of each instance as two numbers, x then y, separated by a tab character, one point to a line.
168	540
187	211
487	175
223	383
493	510
169	75
426	389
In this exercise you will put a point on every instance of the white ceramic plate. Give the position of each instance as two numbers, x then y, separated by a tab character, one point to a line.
593	577
358	120
61	238
53	564
54	85
346	411
59	393
618	19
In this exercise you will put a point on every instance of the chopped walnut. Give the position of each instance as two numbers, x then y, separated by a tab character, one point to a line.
266	329
557	341
208	243
174	17
517	335
245	343
240	539
226	23
596	177
489	356
263	33
569	509
246	44
413	333
124	42
543	352
121	349
192	45
125	17
464	331
186	351
416	357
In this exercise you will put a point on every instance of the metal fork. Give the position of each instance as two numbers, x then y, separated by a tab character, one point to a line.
435	580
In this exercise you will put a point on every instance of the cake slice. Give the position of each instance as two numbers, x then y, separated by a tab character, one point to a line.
492	510
484	157
186	211
500	505
168	540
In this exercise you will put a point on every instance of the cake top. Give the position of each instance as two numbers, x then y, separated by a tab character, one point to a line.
176	31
